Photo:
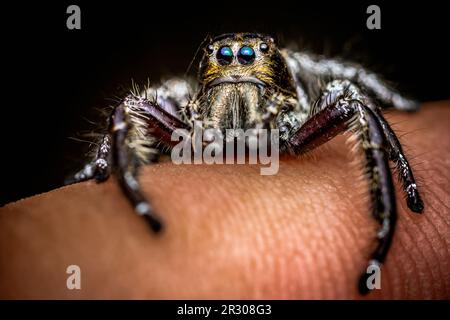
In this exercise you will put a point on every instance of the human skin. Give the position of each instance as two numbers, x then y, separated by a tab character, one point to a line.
304	233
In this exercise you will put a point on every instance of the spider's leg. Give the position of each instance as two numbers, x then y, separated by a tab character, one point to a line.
396	154
345	111
308	68
161	124
103	160
127	167
99	168
384	93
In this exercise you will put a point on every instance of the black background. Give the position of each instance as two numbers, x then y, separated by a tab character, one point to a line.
55	78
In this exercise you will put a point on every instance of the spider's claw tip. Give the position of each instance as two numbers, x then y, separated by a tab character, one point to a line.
415	204
145	210
362	284
365	284
154	223
101	177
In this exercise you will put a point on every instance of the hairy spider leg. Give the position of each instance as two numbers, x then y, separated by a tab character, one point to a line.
334	90
396	154
344	112
306	67
160	124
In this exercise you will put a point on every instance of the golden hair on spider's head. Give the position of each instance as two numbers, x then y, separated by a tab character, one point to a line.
244	57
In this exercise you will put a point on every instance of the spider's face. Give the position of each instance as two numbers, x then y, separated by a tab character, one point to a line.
239	72
243	58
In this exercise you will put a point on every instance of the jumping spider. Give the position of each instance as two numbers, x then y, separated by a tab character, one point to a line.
246	81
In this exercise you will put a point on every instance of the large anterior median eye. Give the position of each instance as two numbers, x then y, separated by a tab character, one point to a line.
224	55
246	55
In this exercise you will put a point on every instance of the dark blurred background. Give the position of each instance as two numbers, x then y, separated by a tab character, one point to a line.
55	79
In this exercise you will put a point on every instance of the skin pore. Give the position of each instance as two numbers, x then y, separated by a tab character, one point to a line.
304	233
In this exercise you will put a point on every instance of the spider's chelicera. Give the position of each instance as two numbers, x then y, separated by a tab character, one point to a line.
245	81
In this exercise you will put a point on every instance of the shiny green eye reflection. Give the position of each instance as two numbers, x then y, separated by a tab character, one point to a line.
225	55
246	55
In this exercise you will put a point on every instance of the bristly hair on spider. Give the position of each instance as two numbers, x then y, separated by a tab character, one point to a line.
246	81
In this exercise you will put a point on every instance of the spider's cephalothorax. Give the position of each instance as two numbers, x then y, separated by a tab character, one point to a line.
239	74
246	81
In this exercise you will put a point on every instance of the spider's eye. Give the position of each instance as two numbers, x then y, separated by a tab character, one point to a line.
264	47
210	49
246	55
225	55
